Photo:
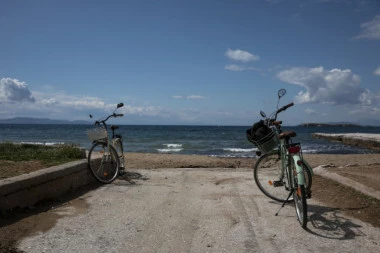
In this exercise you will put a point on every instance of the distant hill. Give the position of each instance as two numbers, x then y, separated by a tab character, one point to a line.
26	120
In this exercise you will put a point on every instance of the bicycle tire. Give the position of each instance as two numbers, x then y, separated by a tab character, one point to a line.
103	162
267	170
299	196
300	204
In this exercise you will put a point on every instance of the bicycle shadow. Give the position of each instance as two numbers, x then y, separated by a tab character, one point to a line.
329	223
132	177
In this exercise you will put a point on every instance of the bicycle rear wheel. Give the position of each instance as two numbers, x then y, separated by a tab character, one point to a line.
103	162
118	145
300	204
299	196
270	178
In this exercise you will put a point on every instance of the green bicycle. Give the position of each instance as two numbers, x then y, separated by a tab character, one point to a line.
281	173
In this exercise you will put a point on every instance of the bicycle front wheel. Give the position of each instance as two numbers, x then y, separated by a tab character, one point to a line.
103	162
271	178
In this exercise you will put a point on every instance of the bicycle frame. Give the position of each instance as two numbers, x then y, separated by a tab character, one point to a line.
298	161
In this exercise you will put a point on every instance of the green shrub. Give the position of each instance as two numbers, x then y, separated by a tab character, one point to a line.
48	155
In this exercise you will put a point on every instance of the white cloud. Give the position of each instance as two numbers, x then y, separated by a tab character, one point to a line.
240	55
233	67
13	90
63	100
142	111
311	111
377	71
334	86
369	98
314	112
190	97
195	97
60	105
69	103
365	110
370	30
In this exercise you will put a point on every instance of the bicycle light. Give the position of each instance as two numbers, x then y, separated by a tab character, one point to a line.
294	149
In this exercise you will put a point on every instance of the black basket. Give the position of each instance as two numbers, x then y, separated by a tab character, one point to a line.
266	143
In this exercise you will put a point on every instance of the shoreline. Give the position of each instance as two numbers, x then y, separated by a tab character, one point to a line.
155	161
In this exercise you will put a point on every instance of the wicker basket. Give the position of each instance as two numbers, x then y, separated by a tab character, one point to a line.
98	133
267	143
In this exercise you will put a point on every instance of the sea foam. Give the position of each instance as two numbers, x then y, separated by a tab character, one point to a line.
170	148
240	150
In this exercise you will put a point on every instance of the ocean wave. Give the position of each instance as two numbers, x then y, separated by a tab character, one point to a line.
310	151
235	155
170	145
240	150
43	143
169	150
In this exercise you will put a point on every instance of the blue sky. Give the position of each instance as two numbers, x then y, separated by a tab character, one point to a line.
190	62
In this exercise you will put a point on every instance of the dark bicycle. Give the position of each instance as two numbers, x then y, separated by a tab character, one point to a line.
106	156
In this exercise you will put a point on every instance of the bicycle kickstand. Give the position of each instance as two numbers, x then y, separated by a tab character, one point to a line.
283	204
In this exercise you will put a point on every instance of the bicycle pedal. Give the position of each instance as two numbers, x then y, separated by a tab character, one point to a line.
278	183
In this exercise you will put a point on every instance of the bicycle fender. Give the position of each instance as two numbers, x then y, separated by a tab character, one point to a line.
308	167
299	169
115	140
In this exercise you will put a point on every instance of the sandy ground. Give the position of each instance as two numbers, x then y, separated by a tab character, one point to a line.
186	210
337	212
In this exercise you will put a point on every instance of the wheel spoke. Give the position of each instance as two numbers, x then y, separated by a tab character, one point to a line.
270	178
105	168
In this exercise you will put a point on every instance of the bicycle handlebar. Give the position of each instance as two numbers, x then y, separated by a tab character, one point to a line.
104	120
285	107
272	120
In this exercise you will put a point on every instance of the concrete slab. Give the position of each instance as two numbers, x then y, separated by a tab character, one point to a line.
356	139
29	189
322	171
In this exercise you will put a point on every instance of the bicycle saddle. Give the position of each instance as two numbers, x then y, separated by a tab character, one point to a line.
287	134
114	127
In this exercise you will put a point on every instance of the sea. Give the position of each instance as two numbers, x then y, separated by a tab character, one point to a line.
219	141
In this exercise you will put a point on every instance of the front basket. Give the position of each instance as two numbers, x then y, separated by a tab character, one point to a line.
98	133
267	143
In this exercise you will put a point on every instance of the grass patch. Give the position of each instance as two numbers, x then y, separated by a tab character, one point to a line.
47	155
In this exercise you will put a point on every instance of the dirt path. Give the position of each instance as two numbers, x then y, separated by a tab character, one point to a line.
187	210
